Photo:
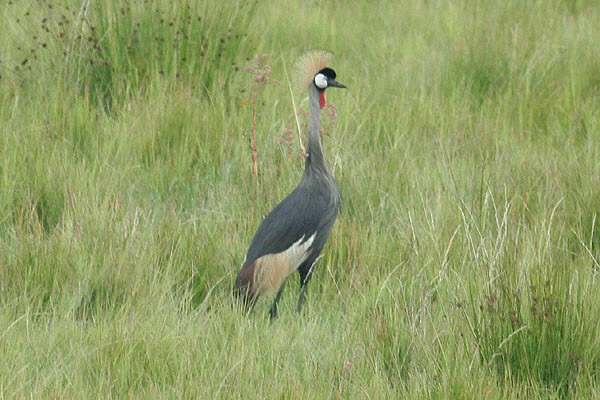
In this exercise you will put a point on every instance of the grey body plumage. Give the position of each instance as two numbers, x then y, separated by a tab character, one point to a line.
293	234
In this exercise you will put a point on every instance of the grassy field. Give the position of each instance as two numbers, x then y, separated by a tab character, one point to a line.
464	263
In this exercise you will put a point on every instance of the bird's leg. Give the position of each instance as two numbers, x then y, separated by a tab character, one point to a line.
303	283
273	310
301	298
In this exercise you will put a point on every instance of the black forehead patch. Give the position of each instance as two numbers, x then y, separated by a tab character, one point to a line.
328	72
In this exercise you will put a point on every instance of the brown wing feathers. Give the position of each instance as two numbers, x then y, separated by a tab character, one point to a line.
266	272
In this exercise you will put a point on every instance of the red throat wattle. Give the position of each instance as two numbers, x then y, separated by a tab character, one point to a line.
322	99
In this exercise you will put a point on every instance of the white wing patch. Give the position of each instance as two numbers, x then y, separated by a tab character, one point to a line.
272	270
298	253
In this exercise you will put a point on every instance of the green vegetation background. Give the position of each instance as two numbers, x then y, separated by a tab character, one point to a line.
465	260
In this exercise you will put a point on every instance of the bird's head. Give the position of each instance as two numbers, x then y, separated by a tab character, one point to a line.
311	69
323	79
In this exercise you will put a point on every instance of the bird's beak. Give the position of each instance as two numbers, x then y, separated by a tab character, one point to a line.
334	83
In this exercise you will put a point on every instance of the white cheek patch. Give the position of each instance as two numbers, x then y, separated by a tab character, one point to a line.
320	81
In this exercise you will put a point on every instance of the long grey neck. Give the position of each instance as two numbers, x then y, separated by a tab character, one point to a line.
315	159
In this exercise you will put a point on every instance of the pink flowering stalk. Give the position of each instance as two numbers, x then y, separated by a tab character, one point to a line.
260	76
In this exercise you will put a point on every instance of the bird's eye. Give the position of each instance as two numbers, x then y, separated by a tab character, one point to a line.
320	81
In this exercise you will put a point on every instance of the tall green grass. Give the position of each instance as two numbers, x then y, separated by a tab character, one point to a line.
464	262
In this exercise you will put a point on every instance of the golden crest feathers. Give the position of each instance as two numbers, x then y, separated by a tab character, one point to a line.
309	64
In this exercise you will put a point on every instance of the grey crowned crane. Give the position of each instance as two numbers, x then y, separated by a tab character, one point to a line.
292	236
